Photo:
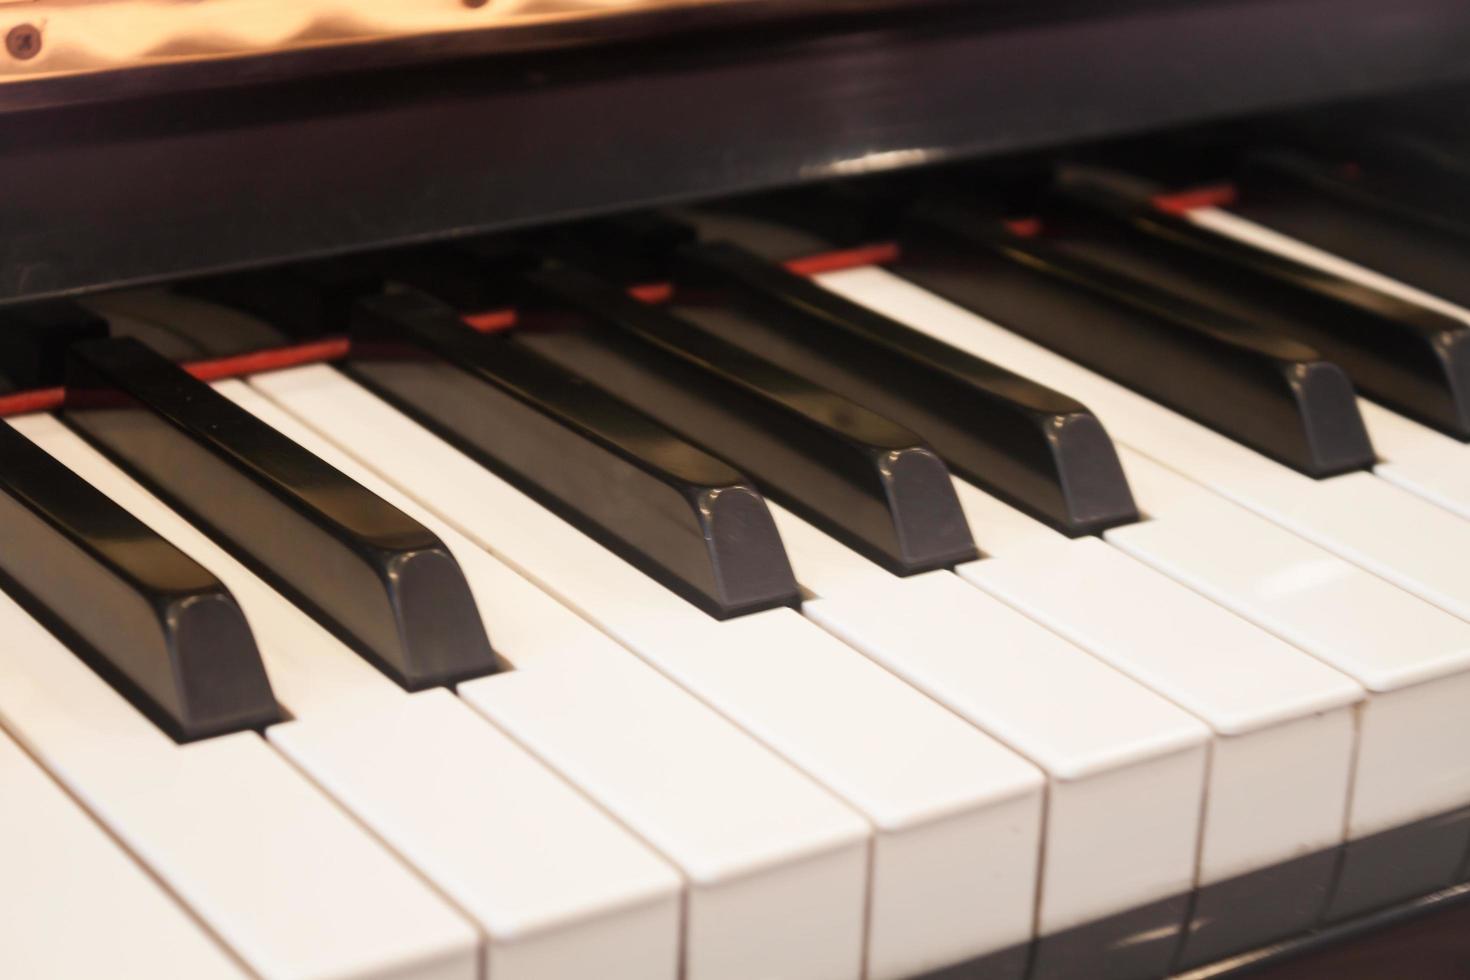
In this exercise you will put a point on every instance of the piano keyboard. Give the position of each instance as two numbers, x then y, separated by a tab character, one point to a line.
1065	594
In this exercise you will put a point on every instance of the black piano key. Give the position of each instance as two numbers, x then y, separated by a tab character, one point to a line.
1382	153
304	301
671	509
1333	182
1262	389
1409	357
1033	447
149	619
866	480
34	338
1417	169
379	579
183	327
1291	196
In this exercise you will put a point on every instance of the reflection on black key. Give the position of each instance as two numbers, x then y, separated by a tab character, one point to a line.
1414	166
148	618
303	301
1285	193
1407	356
1037	449
379	579
1262	389
864	479
668	507
1323	183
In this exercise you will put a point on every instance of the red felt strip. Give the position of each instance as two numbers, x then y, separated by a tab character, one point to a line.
1182	202
490	321
39	400
652	292
880	253
1024	227
274	359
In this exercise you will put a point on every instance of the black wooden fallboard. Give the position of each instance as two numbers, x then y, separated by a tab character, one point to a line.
151	187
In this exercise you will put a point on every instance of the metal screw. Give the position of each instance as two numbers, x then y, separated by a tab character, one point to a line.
23	41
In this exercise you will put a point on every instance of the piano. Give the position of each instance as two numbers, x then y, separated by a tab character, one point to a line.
735	491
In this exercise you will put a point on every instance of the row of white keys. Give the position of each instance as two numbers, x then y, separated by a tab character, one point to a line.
1391	532
1313	596
74	904
1414	456
775	865
1127	768
1283	721
1413	658
956	816
551	883
277	872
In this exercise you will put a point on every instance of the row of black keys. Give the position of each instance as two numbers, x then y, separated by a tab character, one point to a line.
638	421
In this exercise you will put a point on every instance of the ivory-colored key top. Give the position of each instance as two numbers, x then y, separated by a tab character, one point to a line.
75	904
931	784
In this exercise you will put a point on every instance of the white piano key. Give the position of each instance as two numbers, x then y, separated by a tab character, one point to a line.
562	888
773	868
1329	607
1284	718
74	904
928	782
1410	762
775	863
999	528
557	887
1356	517
1362	518
1413	456
279	873
1419	459
1252	233
1099	736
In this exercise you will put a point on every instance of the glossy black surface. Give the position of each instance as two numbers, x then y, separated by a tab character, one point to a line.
34	338
182	327
1037	449
866	480
1137	944
1262	906
158	182
1289	195
1379	149
1416	170
1283	171
1424	939
153	622
1409	357
1401	863
375	576
1265	390
303	301
1006	964
668	507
